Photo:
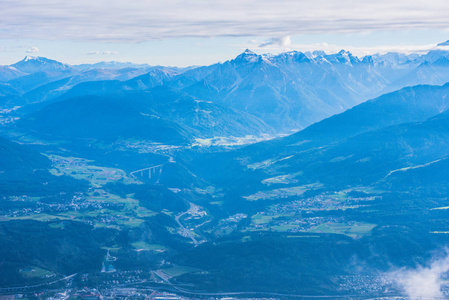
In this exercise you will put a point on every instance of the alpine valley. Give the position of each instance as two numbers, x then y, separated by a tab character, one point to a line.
276	176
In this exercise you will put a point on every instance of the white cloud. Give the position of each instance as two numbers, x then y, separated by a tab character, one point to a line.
32	50
423	282
283	42
144	20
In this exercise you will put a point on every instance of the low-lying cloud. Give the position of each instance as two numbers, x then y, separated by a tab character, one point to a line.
424	282
144	20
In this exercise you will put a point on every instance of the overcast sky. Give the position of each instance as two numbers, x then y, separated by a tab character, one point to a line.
182	32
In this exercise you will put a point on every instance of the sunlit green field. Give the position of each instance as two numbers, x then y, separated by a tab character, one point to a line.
81	168
352	230
143	246
36	272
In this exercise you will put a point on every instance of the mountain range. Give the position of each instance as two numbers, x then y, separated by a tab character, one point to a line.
287	92
362	146
307	174
146	116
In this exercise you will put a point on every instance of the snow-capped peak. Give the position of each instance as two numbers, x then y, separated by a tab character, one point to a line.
28	57
247	56
33	64
247	51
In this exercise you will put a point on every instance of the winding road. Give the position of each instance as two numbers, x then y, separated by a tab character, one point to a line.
186	231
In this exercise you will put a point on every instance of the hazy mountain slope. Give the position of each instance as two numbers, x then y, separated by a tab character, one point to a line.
102	87
204	118
159	114
38	71
32	64
435	73
29	82
148	80
110	65
17	157
101	118
426	179
8	95
25	171
258	86
412	104
293	90
52	90
192	76
8	73
335	149
370	157
288	91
